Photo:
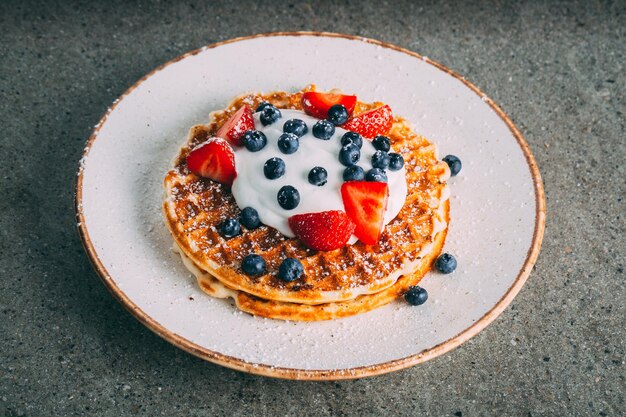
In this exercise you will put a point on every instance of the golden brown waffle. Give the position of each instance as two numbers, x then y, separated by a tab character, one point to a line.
194	206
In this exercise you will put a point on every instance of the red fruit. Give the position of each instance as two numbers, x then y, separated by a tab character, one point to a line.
317	104
371	123
327	230
365	203
236	126
213	159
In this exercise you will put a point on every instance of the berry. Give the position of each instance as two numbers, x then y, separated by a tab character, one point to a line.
213	159
288	197
262	105
318	176
229	228
326	230
288	143
290	270
416	295
352	137
396	161
454	163
376	175
338	114
254	140
269	115
274	168
371	123
349	154
236	126
445	263
253	265
295	126
249	217
382	143
323	129
365	203
353	173
317	104
380	160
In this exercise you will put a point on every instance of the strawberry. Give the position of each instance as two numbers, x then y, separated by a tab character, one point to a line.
326	230
236	126
365	203
213	159
371	123
317	104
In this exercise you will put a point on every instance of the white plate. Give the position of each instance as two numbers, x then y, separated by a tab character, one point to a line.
497	215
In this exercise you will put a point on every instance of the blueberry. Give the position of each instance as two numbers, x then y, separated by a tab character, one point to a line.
349	154
263	105
249	217
353	173
318	176
288	197
274	168
352	137
254	140
229	228
446	263
380	160
295	126
416	295
382	143
253	265
338	114
454	163
288	143
269	115
396	161
323	129
290	270
376	175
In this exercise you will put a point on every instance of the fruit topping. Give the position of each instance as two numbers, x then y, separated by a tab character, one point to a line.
290	270
254	140
262	105
253	265
349	154
269	115
238	124
445	263
352	137
249	217
274	168
318	104
396	161
323	129
371	123
288	197
229	228
454	163
326	230
295	126
365	203
288	143
213	159
382	143
380	160
338	114
353	173
318	176
416	295
376	175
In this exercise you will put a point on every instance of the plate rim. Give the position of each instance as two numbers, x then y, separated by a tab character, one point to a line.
318	374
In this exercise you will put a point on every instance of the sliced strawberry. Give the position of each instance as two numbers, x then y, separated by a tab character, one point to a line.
371	123
365	203
327	230
317	104
236	126
213	159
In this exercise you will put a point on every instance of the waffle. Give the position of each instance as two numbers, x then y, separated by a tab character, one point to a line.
194	206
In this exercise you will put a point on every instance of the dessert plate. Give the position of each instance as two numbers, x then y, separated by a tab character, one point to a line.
497	205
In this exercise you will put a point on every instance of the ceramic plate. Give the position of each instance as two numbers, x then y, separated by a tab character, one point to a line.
497	213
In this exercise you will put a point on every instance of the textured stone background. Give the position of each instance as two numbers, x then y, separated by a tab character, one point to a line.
68	348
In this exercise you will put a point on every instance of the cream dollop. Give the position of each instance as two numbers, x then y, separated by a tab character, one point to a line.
252	189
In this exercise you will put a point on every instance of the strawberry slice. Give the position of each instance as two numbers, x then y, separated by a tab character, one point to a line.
213	159
236	126
371	123
326	230
317	104
365	203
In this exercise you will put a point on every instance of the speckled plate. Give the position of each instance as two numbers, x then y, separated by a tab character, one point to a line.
497	216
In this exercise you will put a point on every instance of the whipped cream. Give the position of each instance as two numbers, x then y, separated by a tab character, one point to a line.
252	189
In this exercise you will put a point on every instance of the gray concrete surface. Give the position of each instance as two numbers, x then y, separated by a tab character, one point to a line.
68	348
